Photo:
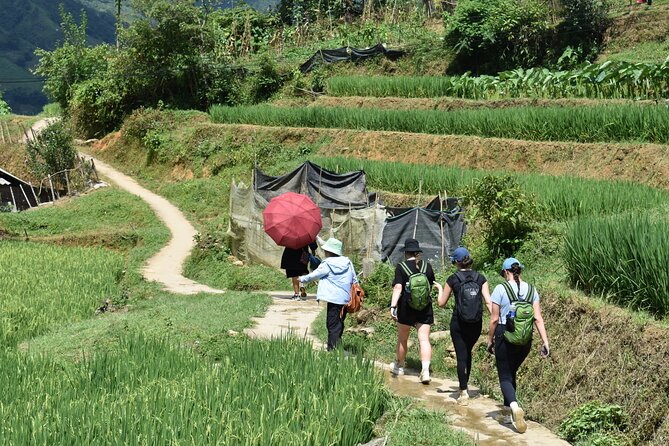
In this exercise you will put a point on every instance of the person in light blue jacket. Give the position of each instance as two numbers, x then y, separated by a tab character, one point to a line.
336	274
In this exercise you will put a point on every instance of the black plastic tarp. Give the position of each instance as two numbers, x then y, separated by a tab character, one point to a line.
347	53
329	190
428	226
18	193
449	205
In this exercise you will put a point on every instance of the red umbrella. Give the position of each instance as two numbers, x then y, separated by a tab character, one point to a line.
292	220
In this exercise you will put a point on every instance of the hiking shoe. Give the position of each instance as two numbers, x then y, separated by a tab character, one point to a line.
463	399
303	292
296	297
425	377
518	417
395	369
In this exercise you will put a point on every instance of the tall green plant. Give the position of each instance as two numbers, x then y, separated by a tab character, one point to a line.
508	215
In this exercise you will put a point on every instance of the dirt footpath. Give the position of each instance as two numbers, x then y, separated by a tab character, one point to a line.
165	267
478	419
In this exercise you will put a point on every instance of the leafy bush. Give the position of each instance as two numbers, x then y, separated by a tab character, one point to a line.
52	151
378	286
489	36
267	80
593	421
583	26
507	214
4	107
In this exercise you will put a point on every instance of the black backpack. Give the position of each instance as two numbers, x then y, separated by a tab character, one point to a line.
468	297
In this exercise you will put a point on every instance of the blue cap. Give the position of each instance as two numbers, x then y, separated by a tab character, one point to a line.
459	254
508	263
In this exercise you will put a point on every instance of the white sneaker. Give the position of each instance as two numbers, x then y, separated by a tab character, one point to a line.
425	376
395	369
518	417
463	399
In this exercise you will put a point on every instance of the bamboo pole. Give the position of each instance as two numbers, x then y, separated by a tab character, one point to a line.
11	191
32	188
67	182
53	196
9	135
415	225
441	224
25	196
2	133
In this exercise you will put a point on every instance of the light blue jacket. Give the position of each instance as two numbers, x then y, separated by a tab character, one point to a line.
336	275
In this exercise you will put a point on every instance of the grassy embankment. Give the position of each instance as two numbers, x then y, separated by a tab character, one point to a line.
576	323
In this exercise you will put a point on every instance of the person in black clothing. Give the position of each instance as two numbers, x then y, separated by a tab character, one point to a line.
295	262
467	319
408	317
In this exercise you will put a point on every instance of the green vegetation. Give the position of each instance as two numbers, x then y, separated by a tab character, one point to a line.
608	80
593	424
417	426
616	123
249	397
44	286
51	152
559	198
622	257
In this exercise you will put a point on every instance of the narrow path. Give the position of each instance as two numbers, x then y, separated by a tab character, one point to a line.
166	266
478	419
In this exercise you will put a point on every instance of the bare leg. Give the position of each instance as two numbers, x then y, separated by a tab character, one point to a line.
402	339
296	285
424	341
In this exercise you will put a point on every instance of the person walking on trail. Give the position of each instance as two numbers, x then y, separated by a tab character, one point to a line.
411	306
295	262
515	310
470	289
336	274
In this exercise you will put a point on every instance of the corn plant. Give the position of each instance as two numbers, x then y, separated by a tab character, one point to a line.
624	258
612	123
609	80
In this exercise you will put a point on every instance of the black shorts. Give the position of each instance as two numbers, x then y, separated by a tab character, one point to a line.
297	272
408	316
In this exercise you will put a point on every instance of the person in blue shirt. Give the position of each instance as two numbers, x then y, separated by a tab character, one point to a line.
508	356
336	274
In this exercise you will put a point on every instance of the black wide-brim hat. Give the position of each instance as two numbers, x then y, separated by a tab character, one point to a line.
411	245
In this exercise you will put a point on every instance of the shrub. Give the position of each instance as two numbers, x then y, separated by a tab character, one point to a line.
51	151
594	422
507	214
496	35
4	107
378	286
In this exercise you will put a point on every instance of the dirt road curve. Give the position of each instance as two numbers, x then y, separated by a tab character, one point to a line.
478	419
166	266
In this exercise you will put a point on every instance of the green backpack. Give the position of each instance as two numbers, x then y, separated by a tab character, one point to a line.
418	287
524	320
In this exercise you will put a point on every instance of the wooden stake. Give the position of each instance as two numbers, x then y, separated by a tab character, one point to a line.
11	190
415	225
2	133
53	196
441	224
25	196
32	188
67	182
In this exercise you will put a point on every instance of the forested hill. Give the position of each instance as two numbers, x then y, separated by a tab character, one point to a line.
26	25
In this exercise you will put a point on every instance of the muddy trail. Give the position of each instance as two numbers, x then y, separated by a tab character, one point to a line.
480	419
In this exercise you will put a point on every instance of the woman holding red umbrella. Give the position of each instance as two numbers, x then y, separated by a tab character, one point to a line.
295	262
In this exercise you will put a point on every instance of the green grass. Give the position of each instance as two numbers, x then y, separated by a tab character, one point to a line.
559	197
417	426
153	392
43	286
624	258
615	123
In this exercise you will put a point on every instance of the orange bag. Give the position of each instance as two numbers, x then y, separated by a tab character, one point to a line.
357	297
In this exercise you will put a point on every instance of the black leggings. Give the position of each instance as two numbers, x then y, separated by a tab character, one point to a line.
509	357
464	336
335	325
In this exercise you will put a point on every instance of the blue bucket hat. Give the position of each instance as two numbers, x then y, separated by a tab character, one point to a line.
508	263
459	254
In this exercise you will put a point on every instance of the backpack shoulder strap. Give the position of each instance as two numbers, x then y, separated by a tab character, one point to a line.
406	269
530	293
423	266
509	291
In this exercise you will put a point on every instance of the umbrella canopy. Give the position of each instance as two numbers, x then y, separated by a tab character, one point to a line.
292	220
